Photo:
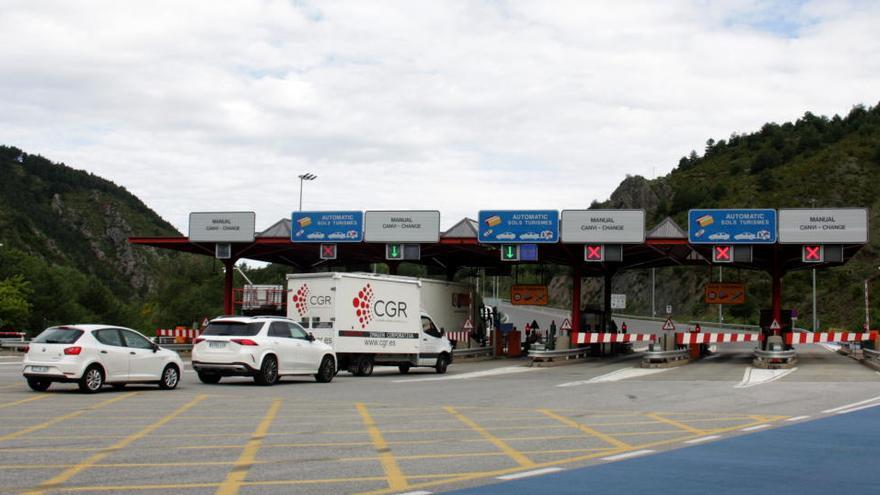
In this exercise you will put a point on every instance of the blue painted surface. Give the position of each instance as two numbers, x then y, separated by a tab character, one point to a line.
327	226
528	252
732	226
514	226
835	455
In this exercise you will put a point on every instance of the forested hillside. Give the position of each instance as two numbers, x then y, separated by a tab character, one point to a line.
65	256
812	162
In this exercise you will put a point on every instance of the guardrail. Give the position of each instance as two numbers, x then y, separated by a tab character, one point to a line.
475	352
774	359
561	355
665	359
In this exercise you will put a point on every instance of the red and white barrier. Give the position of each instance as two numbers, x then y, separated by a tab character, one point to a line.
610	338
460	336
189	333
828	337
12	335
690	338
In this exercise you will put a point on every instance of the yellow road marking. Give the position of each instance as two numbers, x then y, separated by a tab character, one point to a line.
31	429
314	444
514	454
586	429
395	477
64	476
22	401
240	469
675	423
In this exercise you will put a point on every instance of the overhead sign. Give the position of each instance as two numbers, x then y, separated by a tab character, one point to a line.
402	226
230	226
618	301
528	252
535	295
328	251
603	226
837	226
531	226
721	293
812	253
594	252
326	226
732	226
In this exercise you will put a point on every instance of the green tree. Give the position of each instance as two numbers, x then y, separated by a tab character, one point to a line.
14	306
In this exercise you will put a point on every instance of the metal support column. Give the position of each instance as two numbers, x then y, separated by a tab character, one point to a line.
228	302
777	290
577	277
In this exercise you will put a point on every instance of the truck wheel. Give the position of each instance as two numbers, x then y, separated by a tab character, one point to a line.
364	366
404	369
268	371
209	378
327	370
442	364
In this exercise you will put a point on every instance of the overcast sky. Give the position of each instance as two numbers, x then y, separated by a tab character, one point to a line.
455	106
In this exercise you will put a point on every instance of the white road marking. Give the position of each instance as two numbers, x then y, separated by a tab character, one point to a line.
854	409
796	418
416	493
831	347
758	376
506	370
627	455
616	376
703	439
756	427
854	404
526	474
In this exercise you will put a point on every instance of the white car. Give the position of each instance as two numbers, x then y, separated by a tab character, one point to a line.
264	347
95	355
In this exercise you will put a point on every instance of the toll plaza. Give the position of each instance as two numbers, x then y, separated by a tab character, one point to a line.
592	243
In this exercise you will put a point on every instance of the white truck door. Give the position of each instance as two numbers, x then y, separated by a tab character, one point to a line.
431	343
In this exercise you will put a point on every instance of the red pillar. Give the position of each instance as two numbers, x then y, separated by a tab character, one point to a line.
777	291
228	303
576	299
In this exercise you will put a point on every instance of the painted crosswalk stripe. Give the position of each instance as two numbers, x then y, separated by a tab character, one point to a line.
506	370
616	376
526	474
758	376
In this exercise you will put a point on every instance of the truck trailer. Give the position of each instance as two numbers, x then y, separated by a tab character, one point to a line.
373	319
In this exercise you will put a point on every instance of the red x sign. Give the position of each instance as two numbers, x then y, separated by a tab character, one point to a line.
722	254
594	253
328	251
813	254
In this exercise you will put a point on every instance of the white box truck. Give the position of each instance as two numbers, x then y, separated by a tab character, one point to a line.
380	319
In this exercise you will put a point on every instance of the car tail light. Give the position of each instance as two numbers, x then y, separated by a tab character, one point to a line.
197	340
244	342
73	351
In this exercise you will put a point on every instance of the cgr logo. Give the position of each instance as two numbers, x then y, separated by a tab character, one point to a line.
361	304
301	300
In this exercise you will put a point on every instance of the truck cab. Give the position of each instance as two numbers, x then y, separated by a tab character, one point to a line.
435	349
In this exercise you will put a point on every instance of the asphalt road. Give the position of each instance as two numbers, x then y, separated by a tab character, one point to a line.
479	425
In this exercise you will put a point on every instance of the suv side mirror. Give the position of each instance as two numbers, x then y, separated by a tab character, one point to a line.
311	337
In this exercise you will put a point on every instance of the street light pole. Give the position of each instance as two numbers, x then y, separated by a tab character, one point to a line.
304	177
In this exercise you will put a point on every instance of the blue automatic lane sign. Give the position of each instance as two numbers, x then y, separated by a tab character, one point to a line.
327	226
528	226
732	226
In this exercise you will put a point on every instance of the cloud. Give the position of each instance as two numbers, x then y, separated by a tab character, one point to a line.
456	106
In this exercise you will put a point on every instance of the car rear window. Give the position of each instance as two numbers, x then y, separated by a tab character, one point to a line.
58	335
233	328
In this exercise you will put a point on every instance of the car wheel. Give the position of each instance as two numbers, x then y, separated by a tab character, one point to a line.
170	378
404	369
92	380
38	385
327	370
442	364
268	371
364	366
209	378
